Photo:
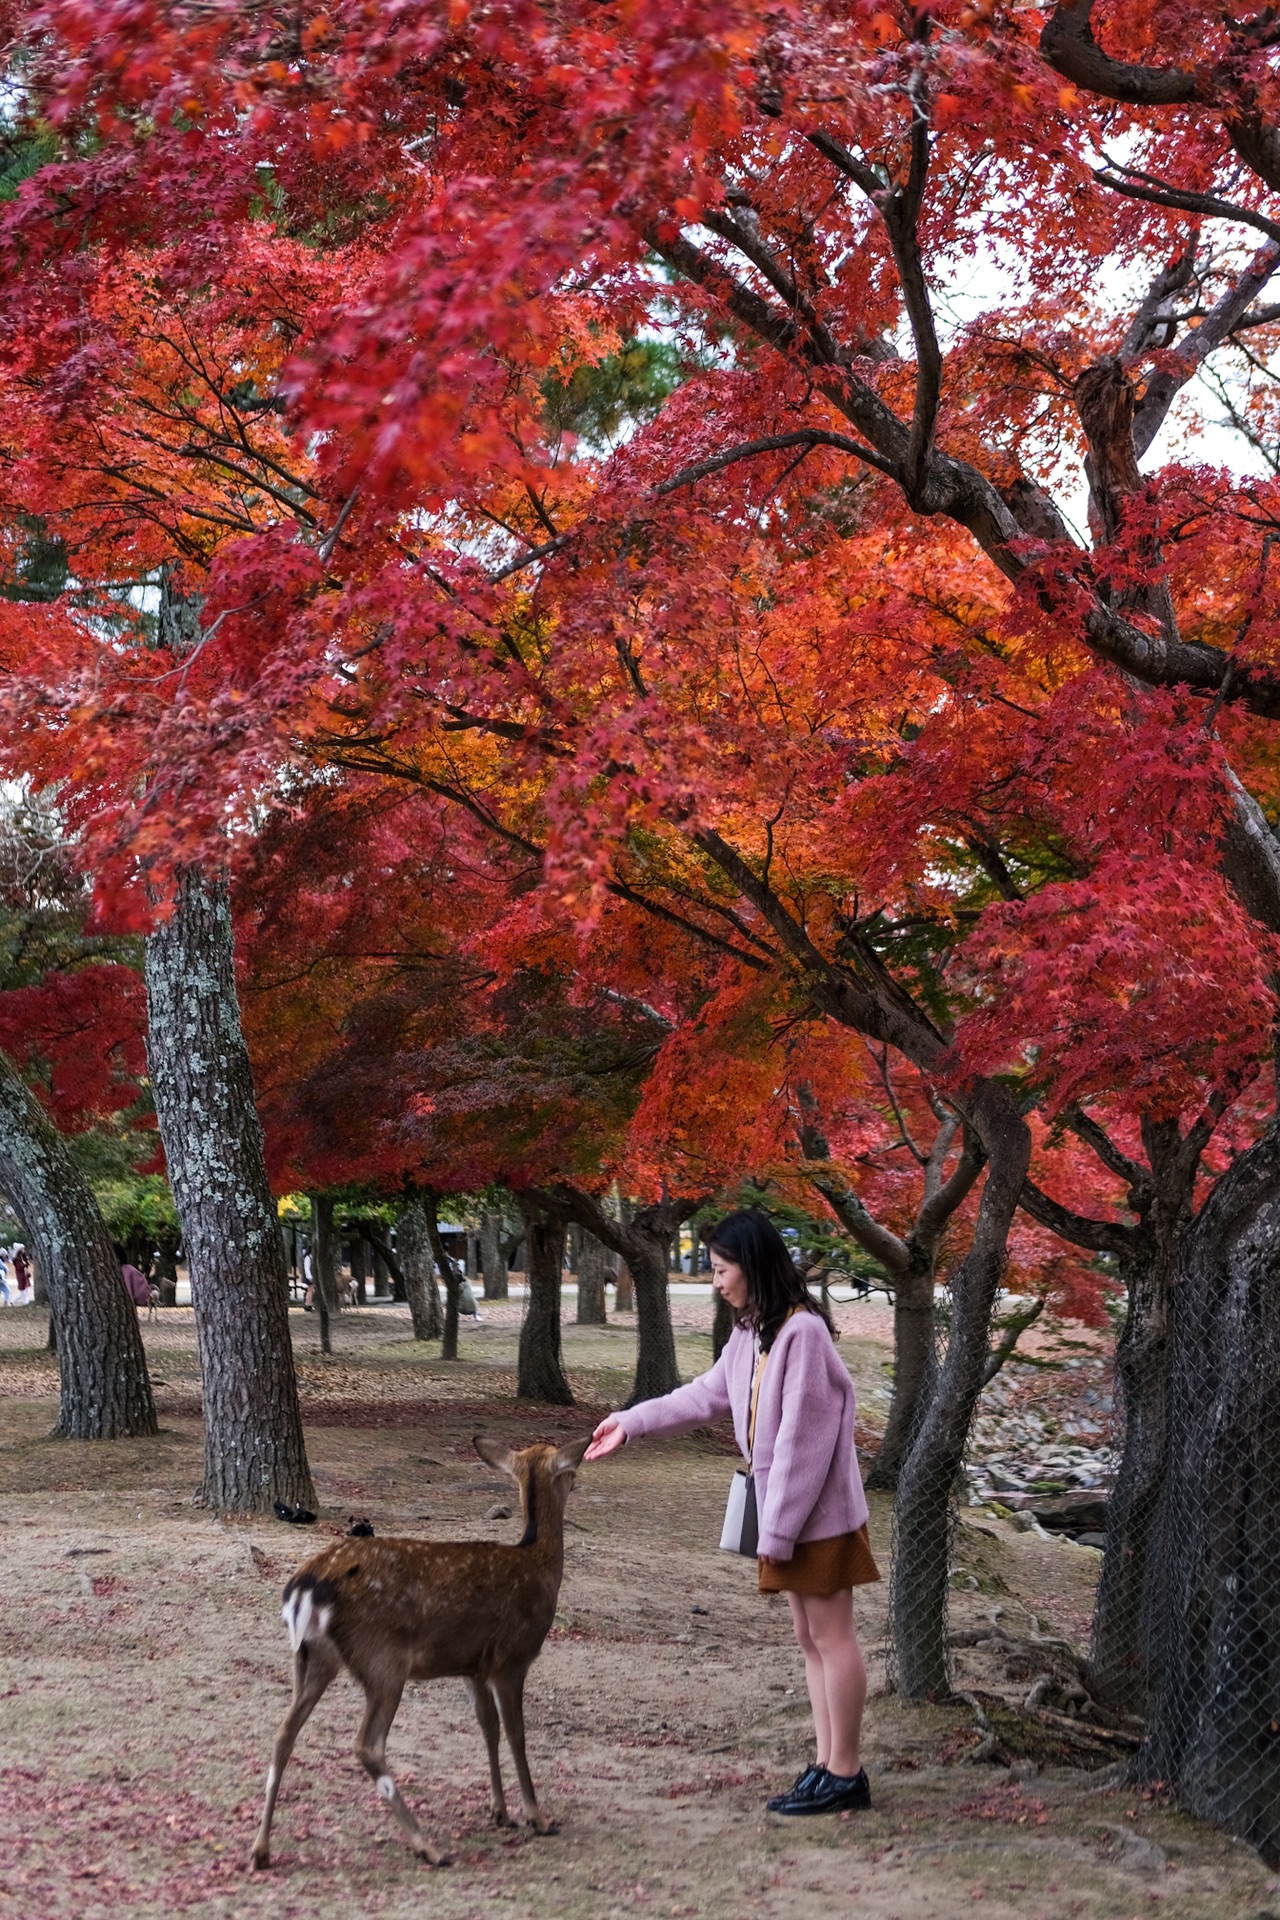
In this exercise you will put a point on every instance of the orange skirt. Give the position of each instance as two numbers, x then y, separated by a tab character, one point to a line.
823	1566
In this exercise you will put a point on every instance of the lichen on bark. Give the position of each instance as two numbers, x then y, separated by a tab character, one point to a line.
254	1452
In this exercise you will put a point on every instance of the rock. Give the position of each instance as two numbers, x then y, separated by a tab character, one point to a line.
498	1512
1135	1853
1098	1540
1074	1513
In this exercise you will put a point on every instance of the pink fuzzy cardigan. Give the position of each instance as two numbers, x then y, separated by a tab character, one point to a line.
807	1482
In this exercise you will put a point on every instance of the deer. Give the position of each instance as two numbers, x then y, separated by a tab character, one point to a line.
390	1611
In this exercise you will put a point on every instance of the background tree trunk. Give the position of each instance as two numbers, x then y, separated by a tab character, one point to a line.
1212	1735
541	1376
931	1471
355	1260
326	1285
913	1363
167	1266
624	1292
381	1277
105	1392
656	1369
591	1302
254	1453
721	1326
413	1240
450	1273
492	1259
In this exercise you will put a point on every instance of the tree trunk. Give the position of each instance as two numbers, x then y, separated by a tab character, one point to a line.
105	1392
254	1452
413	1241
492	1262
540	1375
381	1277
591	1302
449	1273
167	1267
473	1263
913	1364
326	1285
931	1471
1212	1735
355	1260
656	1369
624	1293
1124	1663
721	1326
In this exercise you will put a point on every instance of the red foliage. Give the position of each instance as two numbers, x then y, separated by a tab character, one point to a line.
81	1036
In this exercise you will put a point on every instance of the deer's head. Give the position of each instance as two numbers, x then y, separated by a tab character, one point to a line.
544	1474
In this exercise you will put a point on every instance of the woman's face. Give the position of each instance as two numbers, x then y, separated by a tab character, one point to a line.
729	1281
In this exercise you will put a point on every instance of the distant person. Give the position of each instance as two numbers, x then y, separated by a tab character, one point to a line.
467	1303
308	1275
22	1273
137	1286
5	1295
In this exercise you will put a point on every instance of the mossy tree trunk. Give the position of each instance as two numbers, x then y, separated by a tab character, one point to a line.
104	1391
254	1452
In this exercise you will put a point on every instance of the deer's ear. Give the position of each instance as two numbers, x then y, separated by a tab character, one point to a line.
569	1457
495	1454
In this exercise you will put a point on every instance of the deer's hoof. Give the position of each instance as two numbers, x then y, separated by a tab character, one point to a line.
541	1823
261	1859
432	1856
501	1818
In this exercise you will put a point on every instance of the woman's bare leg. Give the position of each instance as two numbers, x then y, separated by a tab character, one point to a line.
814	1676
829	1629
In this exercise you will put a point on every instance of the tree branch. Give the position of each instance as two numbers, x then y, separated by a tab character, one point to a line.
776	443
1099	1236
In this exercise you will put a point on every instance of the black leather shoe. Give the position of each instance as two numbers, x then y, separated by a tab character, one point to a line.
803	1785
834	1793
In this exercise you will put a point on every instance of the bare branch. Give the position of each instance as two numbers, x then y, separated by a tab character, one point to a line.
1223	319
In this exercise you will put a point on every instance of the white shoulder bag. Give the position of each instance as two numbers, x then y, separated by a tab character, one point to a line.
741	1530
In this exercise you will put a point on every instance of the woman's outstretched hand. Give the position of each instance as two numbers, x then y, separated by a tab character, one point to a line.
607	1438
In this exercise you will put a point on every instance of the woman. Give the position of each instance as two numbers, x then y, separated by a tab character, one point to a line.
812	1511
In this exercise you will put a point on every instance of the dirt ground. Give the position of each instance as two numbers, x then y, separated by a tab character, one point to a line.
143	1670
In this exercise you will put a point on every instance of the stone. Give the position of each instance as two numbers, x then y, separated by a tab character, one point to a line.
1073	1513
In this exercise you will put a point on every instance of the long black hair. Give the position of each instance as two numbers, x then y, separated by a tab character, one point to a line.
774	1283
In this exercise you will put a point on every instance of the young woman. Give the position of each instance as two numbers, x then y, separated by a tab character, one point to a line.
812	1511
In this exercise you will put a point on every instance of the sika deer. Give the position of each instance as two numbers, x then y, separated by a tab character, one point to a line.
397	1610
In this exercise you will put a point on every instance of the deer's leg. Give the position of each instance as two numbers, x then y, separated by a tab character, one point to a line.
314	1665
381	1700
509	1692
487	1715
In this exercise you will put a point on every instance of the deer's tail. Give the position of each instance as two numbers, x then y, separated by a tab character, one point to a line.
308	1609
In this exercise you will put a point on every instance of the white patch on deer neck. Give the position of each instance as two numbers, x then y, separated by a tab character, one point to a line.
386	1786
